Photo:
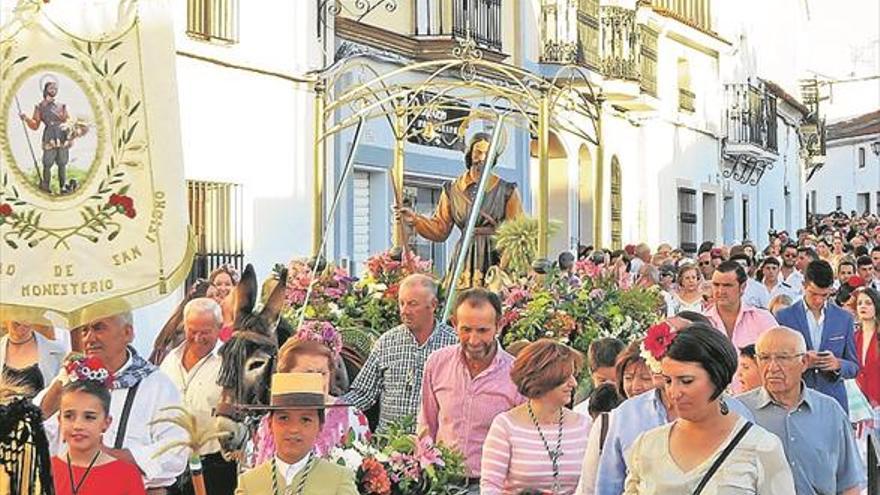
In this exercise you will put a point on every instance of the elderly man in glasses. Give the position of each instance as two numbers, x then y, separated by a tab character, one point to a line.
814	429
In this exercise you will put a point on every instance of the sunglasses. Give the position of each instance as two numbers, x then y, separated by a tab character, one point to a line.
704	263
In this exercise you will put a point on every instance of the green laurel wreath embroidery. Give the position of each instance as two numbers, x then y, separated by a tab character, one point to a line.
24	224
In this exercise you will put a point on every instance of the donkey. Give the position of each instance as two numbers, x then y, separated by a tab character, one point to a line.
249	357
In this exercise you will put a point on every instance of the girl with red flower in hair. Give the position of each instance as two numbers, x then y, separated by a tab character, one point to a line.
85	469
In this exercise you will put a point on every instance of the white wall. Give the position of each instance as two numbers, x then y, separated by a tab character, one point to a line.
841	176
251	129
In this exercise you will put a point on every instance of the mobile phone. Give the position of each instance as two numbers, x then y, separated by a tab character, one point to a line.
824	354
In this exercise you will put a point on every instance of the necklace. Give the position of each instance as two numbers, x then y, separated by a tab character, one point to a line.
553	454
23	342
74	488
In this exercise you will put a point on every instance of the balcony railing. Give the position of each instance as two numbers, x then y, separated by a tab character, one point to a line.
478	19
559	29
686	100
750	115
620	43
570	30
606	39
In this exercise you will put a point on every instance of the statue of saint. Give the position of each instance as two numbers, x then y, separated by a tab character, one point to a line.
500	202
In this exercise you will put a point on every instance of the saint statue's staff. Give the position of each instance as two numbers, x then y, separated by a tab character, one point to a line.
472	218
28	138
317	264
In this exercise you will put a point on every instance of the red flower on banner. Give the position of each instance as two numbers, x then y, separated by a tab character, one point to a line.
5	210
658	339
124	204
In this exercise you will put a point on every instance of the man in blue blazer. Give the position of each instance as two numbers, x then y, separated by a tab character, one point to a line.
828	330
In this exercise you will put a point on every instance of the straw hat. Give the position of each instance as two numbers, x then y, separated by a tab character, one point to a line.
296	391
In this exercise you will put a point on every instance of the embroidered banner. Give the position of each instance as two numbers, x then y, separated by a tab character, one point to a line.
92	208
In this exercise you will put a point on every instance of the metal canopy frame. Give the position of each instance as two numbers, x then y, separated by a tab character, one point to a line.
352	89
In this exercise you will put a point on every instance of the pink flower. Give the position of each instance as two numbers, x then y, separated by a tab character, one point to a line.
427	454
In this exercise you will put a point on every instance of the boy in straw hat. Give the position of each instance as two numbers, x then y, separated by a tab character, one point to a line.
296	416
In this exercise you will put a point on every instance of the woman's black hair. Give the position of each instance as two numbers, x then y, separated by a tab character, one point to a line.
700	343
91	387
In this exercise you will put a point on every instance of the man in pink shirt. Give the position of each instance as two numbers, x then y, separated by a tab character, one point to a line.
740	322
466	385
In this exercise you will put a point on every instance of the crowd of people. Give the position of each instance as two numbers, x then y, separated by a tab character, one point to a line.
763	376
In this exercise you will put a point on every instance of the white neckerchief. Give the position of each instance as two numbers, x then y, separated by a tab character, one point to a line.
289	471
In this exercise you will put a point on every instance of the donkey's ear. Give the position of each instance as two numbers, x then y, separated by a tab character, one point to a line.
245	294
275	302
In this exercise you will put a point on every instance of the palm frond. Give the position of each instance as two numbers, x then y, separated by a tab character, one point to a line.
197	435
177	444
517	240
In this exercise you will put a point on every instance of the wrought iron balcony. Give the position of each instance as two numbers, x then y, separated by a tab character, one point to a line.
478	19
749	147
570	30
750	116
620	43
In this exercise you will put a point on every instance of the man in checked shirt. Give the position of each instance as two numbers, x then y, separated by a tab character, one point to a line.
393	372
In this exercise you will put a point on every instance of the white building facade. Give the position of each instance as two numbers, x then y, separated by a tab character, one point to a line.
665	167
850	178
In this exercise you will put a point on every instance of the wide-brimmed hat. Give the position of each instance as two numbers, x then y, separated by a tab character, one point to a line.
296	391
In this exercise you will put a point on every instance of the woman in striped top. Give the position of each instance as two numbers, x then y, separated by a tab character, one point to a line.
538	445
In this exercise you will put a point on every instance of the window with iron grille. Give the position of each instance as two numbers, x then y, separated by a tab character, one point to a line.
215	215
616	205
212	20
687	220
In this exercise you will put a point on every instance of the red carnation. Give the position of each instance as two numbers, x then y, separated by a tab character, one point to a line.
855	282
123	203
5	210
659	337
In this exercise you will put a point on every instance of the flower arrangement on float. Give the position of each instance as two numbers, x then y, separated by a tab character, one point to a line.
400	463
361	309
578	309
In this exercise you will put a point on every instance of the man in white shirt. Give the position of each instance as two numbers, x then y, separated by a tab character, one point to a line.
193	367
138	394
755	293
789	273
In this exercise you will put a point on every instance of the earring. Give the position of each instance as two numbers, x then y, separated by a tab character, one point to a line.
724	409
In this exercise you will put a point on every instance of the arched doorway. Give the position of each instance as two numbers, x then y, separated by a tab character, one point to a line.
616	204
585	195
